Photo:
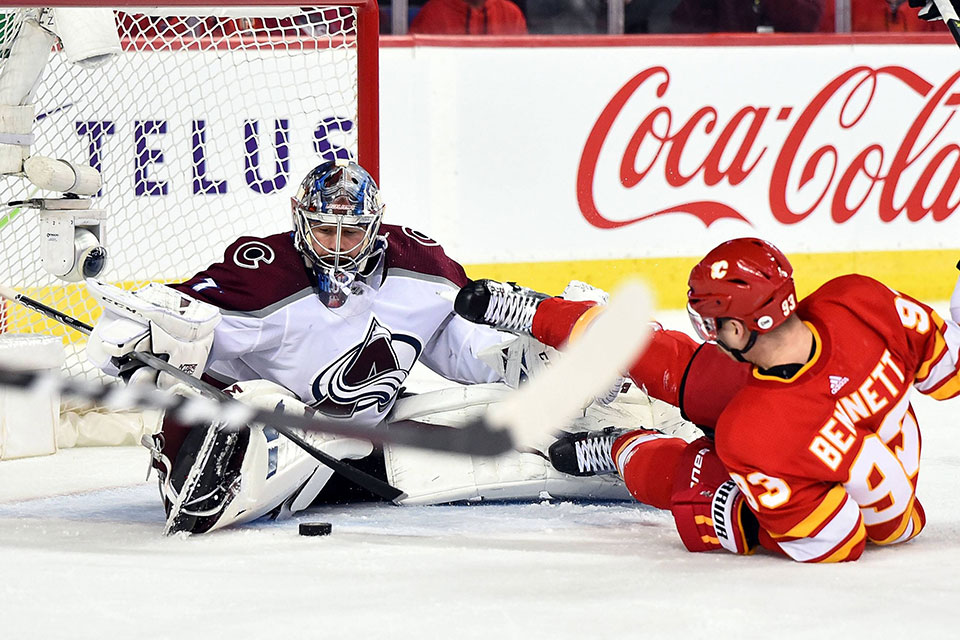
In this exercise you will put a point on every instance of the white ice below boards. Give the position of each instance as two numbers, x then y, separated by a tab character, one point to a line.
81	556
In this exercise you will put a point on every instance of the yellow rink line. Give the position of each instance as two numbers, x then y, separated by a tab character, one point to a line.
927	275
71	299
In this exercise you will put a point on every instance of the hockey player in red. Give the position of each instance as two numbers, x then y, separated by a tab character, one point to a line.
816	448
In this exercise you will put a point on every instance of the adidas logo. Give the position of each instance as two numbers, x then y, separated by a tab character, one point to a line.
837	382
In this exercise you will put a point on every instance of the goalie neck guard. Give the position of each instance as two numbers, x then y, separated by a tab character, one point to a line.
338	196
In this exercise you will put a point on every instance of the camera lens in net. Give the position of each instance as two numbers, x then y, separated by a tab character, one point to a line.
94	262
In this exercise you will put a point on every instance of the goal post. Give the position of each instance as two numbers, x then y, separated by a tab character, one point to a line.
201	126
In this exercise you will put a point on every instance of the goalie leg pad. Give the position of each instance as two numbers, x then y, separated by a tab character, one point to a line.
431	478
434	478
250	473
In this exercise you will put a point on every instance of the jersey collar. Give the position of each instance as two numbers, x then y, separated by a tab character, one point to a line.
762	374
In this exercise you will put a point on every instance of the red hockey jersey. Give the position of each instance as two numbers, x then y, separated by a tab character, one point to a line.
829	458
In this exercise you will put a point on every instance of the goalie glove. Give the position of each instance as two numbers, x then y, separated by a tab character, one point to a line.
155	319
707	506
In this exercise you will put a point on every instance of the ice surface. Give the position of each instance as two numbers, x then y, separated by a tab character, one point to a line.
81	556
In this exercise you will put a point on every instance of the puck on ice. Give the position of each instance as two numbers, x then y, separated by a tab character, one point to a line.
315	528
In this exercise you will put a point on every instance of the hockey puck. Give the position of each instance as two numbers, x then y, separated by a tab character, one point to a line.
315	528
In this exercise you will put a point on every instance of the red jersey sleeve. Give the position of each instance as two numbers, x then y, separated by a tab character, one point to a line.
935	343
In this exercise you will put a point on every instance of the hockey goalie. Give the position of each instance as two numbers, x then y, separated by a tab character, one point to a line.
330	318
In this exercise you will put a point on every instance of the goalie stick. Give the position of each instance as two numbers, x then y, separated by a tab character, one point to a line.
220	407
473	439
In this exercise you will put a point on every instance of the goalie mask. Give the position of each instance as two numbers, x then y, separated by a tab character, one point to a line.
336	216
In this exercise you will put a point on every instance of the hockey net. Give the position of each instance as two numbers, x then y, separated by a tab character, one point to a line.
201	128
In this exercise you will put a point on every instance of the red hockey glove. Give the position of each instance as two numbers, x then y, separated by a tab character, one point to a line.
707	506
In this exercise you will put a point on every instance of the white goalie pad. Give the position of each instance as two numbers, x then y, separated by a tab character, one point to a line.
436	478
19	80
89	35
24	67
275	472
29	418
518	359
579	291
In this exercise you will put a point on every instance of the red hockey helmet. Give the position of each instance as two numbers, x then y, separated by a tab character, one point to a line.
747	279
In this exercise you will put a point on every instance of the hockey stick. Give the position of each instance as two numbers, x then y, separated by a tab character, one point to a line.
371	483
542	406
220	407
950	18
932	10
588	368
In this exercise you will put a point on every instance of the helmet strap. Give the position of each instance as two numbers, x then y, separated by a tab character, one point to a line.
738	353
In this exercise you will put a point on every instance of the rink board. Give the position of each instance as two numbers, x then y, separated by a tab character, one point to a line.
544	159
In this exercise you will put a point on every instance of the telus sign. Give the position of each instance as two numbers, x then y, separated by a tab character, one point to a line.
149	153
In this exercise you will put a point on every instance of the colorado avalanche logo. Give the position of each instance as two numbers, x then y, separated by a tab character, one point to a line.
366	375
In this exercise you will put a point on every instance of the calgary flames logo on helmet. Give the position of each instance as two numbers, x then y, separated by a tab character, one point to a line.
719	269
368	374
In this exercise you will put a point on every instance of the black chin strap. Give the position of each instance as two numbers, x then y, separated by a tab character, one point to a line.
738	353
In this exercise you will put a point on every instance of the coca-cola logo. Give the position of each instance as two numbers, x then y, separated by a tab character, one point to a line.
912	171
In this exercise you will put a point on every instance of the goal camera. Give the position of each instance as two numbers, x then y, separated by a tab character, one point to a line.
72	237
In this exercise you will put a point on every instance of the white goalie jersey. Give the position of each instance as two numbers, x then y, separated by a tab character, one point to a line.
348	362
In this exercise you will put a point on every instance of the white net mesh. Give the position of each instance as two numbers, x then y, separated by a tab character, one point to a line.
201	128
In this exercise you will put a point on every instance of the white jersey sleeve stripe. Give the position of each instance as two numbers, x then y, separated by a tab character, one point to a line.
830	538
627	450
947	366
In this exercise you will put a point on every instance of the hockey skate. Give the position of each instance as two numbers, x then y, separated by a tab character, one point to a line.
501	305
198	487
586	453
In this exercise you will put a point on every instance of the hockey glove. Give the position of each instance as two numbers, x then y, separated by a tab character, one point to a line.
930	9
707	506
946	10
156	319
